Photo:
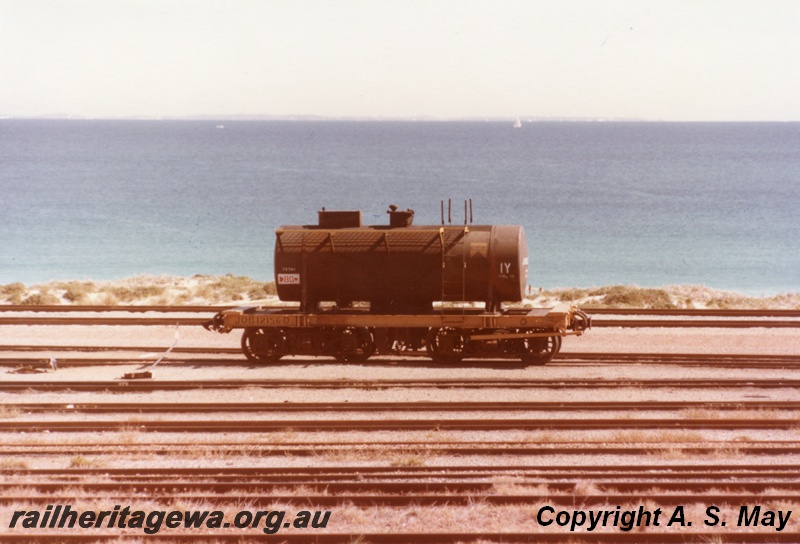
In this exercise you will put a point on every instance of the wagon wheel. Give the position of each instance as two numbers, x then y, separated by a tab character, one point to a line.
540	351
445	346
263	345
354	345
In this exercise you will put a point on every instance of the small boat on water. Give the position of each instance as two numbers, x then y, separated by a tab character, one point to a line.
517	123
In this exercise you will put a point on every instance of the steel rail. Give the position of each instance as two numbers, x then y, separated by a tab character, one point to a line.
671	480
564	355
524	478
64	362
683	359
696	323
596	323
420	406
211	426
695	312
176	349
108	321
440	449
83	308
780	489
424	499
677	357
42	362
480	383
422	471
99	308
610	536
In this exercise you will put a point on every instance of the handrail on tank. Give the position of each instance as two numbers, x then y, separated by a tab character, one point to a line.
467	214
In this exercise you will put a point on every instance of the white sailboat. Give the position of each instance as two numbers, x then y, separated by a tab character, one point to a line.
517	123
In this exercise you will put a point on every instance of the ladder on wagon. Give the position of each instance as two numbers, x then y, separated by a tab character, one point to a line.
454	266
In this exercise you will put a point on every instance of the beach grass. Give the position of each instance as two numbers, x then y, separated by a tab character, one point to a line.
142	290
230	289
669	297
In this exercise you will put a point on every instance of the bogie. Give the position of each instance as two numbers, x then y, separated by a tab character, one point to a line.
540	350
264	345
354	344
444	345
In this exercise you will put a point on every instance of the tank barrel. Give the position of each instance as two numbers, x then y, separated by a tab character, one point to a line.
396	288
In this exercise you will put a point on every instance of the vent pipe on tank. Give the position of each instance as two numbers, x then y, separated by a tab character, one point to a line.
467	211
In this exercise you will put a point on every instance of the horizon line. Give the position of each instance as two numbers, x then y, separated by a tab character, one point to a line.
418	118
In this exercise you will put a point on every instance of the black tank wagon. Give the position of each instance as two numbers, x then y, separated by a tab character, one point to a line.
360	290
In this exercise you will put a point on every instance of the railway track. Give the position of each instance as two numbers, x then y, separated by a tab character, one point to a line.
457	449
217	357
205	309
627	318
371	487
418	496
45	385
650	471
83	308
418	467
382	424
616	537
394	407
697	322
404	492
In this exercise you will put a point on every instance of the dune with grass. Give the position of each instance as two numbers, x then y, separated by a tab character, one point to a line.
230	289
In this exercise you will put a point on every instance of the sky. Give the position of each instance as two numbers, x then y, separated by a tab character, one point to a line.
672	60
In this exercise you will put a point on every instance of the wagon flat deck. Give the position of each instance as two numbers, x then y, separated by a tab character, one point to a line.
555	319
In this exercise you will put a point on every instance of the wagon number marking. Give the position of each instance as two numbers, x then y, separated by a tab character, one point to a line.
263	320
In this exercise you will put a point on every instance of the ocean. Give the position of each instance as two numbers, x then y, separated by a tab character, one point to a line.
650	204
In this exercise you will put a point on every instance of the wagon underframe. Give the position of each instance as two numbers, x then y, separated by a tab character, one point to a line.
447	335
